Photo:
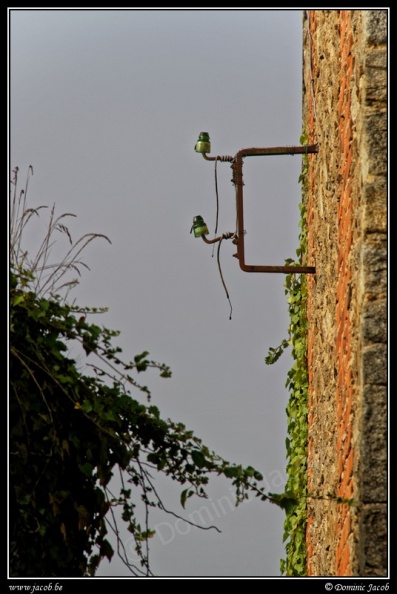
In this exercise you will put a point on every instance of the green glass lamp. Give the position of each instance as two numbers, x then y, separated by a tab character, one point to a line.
199	228
203	144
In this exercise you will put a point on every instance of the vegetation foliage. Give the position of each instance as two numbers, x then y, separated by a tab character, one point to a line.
297	409
295	563
71	430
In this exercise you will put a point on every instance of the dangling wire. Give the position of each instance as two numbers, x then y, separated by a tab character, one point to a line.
217	203
227	235
224	236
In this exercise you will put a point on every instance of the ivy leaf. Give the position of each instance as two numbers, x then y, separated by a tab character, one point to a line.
186	493
106	549
86	468
286	501
198	458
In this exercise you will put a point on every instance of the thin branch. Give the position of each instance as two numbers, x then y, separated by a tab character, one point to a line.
163	508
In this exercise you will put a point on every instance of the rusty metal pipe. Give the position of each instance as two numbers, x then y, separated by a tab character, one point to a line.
259	152
214	240
278	150
223	159
227	235
237	167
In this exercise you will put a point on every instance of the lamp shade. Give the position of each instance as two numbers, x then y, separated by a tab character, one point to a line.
199	228
203	144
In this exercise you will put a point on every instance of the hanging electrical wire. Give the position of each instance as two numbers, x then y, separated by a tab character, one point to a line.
224	236
217	203
222	279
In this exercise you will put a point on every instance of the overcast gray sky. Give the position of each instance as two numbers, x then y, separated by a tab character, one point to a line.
107	105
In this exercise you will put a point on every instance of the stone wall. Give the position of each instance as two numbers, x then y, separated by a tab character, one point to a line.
345	112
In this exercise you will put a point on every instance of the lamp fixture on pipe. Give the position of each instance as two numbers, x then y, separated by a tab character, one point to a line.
200	229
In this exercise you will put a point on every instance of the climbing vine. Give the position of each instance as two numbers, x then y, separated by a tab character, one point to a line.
297	408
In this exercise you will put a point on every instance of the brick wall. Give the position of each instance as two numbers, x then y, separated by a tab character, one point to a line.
345	112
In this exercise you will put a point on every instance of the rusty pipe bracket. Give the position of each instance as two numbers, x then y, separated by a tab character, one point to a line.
237	180
227	235
222	159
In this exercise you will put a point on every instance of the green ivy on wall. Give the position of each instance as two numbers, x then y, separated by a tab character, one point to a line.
297	409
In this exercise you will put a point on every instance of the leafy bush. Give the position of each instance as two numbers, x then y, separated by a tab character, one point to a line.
71	431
